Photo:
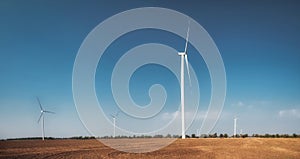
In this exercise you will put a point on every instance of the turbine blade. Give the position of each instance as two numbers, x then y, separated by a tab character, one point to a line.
112	116
187	38
46	111
187	67
40	117
39	103
117	113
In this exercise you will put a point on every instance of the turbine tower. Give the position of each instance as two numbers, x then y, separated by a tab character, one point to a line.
114	121
183	56
42	116
234	126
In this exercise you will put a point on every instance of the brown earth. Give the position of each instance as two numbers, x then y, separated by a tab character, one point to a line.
188	148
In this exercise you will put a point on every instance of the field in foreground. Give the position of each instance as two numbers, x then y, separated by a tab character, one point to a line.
188	148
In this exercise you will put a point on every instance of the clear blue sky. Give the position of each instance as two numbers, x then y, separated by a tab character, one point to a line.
258	41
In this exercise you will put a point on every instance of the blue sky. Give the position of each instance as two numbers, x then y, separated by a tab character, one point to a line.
258	41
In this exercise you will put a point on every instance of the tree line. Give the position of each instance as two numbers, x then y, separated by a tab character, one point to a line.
215	135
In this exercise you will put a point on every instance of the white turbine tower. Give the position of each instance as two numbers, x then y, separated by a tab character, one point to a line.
114	121
234	126
183	58
42	116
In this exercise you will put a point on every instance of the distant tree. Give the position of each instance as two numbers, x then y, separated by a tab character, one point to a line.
285	135
244	135
294	135
273	136
221	135
168	136
193	135
158	136
176	136
203	136
215	135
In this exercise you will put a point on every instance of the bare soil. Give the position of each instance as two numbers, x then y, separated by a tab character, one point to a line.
188	148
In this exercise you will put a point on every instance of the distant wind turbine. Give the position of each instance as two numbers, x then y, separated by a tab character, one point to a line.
114	120
42	116
234	126
183	58
198	132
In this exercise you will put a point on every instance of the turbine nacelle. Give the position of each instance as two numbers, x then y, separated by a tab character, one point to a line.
115	115
182	53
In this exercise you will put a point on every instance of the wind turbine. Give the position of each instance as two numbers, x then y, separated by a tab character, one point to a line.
114	120
198	132
42	116
183	56
234	126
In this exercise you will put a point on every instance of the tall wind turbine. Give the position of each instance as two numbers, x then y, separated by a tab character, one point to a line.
114	120
183	58
42	116
234	126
